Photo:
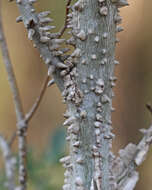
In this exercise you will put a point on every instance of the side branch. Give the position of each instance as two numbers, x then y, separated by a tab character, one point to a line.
66	18
130	158
35	106
46	42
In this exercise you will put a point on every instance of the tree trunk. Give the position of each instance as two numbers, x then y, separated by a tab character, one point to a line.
88	94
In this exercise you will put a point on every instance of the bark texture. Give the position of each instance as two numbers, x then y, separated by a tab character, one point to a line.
86	78
88	94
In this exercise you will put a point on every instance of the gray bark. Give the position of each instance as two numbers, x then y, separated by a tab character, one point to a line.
88	94
86	79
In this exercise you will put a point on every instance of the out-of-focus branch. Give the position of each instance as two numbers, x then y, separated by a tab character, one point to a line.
38	100
35	106
10	162
21	124
130	158
149	107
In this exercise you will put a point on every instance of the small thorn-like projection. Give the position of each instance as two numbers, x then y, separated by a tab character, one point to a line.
45	20
120	3
91	77
103	11
105	35
118	19
19	1
76	144
99	87
76	53
79	5
97	124
101	1
48	60
61	65
104	51
58	41
46	28
105	99
117	40
82	35
84	61
113	78
84	81
119	29
69	121
71	41
19	19
43	14
99	117
104	61
32	1
31	33
65	159
78	181
44	39
116	62
50	83
83	114
32	10
93	56
51	70
96	39
80	160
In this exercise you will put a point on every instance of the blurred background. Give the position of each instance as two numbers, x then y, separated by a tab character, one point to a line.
46	135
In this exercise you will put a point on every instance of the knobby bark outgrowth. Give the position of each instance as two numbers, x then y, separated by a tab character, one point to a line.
86	78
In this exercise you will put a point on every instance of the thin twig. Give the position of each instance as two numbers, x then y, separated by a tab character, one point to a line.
66	18
21	124
12	139
35	106
149	107
38	100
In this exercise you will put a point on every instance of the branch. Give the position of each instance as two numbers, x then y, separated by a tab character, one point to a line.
88	94
35	106
21	124
131	157
149	107
10	162
47	43
66	18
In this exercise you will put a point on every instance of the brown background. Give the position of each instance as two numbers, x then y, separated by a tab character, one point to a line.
133	88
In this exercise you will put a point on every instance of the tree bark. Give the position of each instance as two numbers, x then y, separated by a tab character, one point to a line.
88	94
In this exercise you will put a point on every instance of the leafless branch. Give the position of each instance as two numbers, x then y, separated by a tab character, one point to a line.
35	106
10	162
66	18
131	157
149	107
21	124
